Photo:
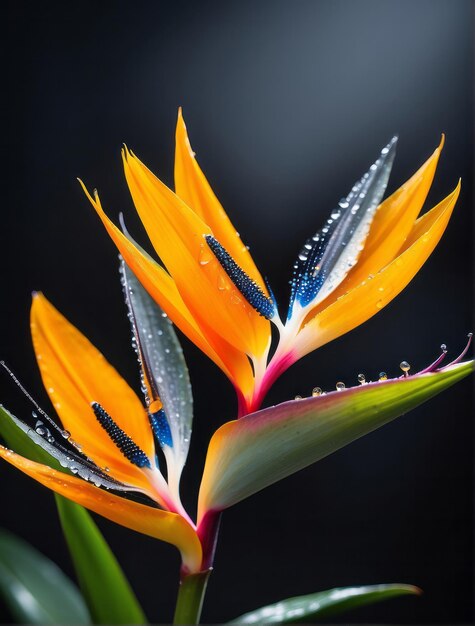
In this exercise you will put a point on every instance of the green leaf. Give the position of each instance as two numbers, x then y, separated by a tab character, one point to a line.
104	586
35	590
246	455
324	604
18	440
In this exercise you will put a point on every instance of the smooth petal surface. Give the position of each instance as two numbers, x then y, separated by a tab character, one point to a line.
391	226
34	588
75	374
193	188
324	604
177	234
373	294
169	527
247	455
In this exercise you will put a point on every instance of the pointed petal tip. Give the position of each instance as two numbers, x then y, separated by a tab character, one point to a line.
389	150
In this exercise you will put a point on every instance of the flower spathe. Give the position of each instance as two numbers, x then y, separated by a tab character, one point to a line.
364	255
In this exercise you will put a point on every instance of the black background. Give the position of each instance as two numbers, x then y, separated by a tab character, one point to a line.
287	103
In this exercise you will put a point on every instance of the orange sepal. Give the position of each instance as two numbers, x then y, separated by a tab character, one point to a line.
75	374
178	236
364	301
163	525
193	188
391	226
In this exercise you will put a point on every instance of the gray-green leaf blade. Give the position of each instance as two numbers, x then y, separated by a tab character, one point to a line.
324	604
35	590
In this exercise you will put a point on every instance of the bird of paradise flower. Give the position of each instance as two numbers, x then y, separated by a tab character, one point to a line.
364	255
108	441
112	447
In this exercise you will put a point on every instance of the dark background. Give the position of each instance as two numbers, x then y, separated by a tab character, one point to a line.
287	103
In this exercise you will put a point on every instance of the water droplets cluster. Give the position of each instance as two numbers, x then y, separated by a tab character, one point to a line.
326	258
361	378
404	366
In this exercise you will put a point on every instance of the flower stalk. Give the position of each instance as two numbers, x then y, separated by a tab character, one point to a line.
190	598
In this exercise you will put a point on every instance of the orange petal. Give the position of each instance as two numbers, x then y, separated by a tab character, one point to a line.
193	188
163	290
364	301
169	527
390	228
75	374
177	234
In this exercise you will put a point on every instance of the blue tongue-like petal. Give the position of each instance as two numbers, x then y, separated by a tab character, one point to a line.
327	257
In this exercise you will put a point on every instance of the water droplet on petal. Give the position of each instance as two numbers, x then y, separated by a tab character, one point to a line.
361	379
379	304
66	434
383	376
340	386
205	255
443	347
404	365
298	398
316	391
221	282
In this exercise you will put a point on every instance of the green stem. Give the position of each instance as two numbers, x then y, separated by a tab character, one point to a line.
190	598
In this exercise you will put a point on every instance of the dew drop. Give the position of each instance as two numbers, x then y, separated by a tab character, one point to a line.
404	365
379	304
66	434
298	398
205	255
221	282
383	376
40	429
361	379
340	386
316	391
107	469
443	347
